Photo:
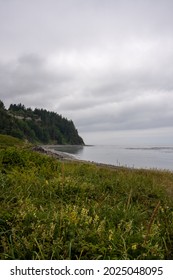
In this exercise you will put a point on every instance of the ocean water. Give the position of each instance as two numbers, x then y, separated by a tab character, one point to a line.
149	157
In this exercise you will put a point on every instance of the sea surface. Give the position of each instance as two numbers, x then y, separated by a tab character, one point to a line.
149	157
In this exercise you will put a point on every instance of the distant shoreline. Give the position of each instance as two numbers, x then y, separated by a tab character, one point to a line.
65	156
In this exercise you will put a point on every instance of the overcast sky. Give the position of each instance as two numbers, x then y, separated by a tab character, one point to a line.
105	64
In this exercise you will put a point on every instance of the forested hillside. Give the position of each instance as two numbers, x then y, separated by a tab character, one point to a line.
37	125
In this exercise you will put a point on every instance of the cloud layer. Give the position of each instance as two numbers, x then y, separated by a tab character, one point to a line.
107	65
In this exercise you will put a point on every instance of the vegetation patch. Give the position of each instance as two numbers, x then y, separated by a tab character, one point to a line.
68	210
9	141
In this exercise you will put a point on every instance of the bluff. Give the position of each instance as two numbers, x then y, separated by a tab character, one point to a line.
38	125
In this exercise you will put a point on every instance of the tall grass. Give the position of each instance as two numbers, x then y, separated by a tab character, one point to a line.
6	141
60	210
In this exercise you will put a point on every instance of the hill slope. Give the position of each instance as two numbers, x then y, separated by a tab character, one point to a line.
54	210
37	125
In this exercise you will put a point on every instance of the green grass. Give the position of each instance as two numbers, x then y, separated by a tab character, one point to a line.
6	141
69	210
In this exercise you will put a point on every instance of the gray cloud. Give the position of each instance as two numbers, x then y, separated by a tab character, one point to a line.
105	64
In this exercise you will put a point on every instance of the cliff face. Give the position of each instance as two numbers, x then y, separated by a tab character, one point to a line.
38	125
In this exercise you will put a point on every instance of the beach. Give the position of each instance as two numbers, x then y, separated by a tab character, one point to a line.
62	156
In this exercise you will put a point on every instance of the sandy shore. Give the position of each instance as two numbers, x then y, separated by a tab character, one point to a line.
52	152
48	150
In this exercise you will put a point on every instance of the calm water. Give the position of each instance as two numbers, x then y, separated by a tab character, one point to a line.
138	157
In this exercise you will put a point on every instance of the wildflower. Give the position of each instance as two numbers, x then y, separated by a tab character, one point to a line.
162	209
128	226
134	246
101	227
84	212
73	217
96	218
110	237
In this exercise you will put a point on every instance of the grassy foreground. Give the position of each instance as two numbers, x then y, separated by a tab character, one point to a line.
68	210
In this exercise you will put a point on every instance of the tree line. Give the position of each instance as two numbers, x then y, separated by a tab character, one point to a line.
38	125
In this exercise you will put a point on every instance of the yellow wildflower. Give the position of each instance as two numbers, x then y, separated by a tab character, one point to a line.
134	246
